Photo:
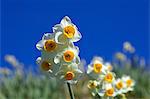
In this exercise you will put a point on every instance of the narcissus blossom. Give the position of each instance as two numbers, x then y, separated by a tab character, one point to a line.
66	31
59	56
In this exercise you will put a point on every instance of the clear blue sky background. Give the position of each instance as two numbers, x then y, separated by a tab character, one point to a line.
104	24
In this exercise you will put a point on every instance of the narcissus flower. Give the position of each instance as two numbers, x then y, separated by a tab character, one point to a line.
109	77
93	86
119	86
69	72
48	65
96	68
109	67
69	55
129	83
66	31
107	90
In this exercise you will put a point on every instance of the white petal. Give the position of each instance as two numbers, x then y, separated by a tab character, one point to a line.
89	70
79	71
76	37
77	60
58	37
47	36
40	45
65	21
57	28
77	50
57	59
38	60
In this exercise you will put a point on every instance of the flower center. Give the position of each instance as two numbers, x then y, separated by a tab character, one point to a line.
46	66
69	75
119	85
50	45
129	82
69	31
97	67
68	56
110	92
109	77
92	84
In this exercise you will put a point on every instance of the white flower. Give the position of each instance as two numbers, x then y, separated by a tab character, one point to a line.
69	55
93	86
95	68
66	31
48	65
70	73
109	66
129	83
119	86
107	90
109	77
49	37
127	46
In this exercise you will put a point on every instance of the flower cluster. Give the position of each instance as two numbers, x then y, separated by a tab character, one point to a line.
103	81
59	55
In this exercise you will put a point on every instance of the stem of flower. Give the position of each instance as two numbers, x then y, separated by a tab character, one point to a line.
70	91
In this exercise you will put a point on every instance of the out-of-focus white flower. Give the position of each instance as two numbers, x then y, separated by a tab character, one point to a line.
107	90
109	77
66	31
128	83
120	56
127	46
119	86
109	66
5	71
12	60
92	85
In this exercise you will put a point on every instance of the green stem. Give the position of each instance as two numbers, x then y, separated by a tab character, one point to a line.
70	91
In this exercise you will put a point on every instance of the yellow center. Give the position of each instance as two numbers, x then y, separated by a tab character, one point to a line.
129	82
68	56
109	77
110	92
69	31
46	66
50	45
69	75
119	85
97	67
92	84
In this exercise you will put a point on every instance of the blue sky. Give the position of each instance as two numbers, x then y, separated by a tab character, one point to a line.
104	24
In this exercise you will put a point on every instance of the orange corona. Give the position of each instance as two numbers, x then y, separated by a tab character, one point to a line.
97	67
68	56
109	77
69	75
69	31
46	66
50	45
119	85
110	92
